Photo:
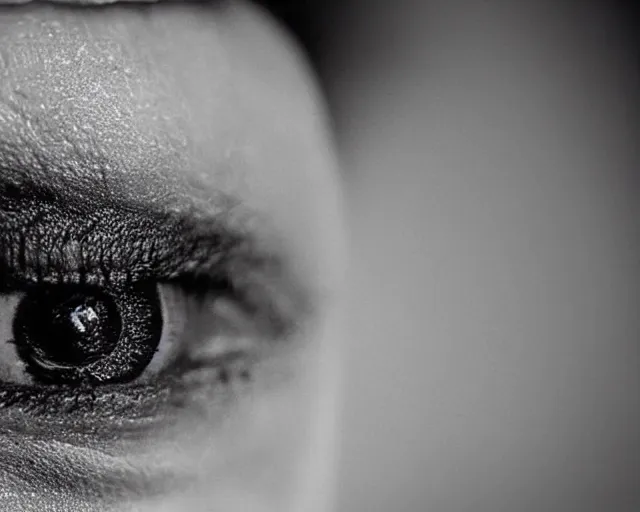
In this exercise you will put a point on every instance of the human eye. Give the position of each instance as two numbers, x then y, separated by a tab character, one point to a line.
97	295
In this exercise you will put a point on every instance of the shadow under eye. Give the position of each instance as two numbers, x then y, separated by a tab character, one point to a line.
53	474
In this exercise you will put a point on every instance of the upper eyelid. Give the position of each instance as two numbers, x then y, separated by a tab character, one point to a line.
49	239
54	236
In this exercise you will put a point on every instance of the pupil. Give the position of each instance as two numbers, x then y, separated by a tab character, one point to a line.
68	328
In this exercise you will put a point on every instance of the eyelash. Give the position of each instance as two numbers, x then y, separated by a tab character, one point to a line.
100	244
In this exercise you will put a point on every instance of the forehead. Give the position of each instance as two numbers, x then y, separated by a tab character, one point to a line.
172	91
170	104
101	90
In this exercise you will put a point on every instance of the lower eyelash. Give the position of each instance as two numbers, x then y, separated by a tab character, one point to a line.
187	379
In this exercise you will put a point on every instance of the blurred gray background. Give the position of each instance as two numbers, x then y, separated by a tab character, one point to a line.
493	183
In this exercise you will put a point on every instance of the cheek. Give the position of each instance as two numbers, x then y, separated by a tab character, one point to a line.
274	451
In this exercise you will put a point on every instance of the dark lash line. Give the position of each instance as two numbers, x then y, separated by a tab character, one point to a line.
110	244
44	400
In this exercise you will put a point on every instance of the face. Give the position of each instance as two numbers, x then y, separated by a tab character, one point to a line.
170	250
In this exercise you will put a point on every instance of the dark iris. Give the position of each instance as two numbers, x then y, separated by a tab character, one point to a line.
67	328
69	334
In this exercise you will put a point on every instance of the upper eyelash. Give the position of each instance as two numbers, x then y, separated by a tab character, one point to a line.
110	245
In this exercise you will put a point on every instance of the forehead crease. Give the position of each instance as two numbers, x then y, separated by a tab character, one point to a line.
88	102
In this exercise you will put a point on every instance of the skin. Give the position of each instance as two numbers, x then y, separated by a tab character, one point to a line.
224	118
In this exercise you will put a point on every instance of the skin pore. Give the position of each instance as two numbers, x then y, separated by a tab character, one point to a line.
205	116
